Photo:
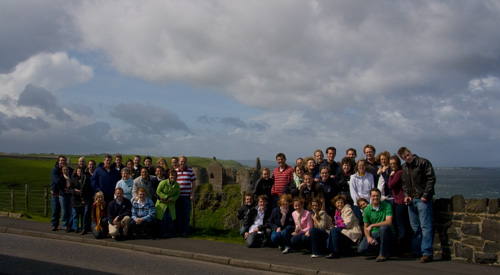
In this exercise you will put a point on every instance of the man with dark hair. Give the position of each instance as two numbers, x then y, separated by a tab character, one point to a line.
243	211
331	152
282	175
148	163
418	186
58	199
371	164
118	164
119	215
105	179
256	226
378	229
187	182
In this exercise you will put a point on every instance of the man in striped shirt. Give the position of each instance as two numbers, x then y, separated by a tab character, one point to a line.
187	181
282	175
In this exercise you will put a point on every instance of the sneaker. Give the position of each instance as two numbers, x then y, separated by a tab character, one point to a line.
286	250
381	258
426	259
332	256
84	232
54	228
316	256
281	248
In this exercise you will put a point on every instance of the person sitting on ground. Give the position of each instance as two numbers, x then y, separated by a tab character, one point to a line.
119	213
145	182
311	190
303	222
361	183
378	227
264	184
322	226
346	231
143	215
257	229
282	223
126	183
81	190
168	192
99	216
243	211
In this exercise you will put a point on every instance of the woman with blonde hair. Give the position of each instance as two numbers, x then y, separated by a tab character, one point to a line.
99	216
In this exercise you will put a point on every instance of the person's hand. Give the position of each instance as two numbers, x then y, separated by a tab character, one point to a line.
407	200
422	199
278	230
370	227
246	235
256	230
307	233
370	240
138	220
294	233
392	173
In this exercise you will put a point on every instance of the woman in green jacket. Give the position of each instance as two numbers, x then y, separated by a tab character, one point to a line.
168	191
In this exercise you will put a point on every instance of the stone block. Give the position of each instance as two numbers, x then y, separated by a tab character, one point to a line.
476	206
471	218
490	247
490	230
485	258
463	251
470	229
478	243
458	203
493	206
453	234
458	217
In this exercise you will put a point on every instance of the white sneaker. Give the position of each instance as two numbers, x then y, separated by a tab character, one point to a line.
316	256
287	250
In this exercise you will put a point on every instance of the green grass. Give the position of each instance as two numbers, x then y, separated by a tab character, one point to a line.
15	173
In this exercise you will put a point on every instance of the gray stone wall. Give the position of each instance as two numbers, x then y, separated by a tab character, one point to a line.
468	229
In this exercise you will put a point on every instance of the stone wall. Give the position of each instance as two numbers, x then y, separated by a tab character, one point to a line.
468	229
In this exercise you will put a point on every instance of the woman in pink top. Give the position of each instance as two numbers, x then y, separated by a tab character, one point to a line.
303	222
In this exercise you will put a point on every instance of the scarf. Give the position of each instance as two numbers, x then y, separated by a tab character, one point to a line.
339	222
68	182
284	212
98	217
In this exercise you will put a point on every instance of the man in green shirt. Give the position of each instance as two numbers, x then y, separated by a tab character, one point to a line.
378	229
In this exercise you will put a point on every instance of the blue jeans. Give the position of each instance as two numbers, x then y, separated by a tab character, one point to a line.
422	222
383	237
87	216
318	241
104	232
167	225
300	241
283	238
183	213
65	202
56	211
337	242
400	218
76	215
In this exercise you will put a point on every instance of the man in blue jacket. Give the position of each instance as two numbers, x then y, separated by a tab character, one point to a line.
104	179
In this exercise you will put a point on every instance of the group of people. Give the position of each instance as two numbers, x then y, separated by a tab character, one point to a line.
123	200
374	203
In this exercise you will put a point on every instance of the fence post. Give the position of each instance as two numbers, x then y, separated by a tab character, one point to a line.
12	203
46	201
26	197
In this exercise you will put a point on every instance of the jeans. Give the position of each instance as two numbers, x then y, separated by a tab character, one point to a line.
76	215
56	211
383	237
300	241
283	238
167	225
422	222
400	218
337	242
87	216
65	202
183	213
318	241
104	229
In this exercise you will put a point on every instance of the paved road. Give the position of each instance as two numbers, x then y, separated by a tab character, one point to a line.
30	255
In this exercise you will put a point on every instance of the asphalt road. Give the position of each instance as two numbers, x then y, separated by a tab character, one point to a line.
30	255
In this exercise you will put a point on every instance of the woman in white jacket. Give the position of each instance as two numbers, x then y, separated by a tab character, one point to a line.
361	182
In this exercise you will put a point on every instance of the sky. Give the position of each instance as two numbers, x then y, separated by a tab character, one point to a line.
245	79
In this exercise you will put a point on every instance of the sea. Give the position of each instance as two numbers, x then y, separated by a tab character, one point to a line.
471	182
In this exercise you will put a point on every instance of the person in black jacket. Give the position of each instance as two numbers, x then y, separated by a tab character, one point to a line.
119	213
81	200
257	229
244	209
264	184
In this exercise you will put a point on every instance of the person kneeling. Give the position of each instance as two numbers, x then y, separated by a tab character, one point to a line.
257	229
119	212
143	215
377	218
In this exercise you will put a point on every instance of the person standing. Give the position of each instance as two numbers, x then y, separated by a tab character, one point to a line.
58	180
418	187
187	181
104	179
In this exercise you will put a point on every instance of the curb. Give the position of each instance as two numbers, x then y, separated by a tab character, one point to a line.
168	252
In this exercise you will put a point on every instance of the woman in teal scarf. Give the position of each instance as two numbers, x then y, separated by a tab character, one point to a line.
168	191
